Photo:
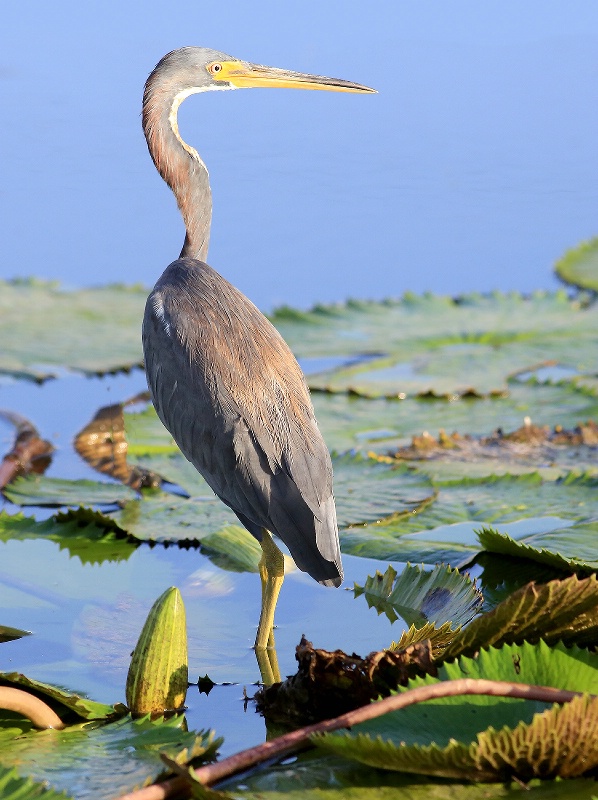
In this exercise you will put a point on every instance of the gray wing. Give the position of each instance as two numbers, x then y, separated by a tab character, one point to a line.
232	395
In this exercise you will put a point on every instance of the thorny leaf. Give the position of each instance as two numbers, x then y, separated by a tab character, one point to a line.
419	596
14	787
562	610
442	737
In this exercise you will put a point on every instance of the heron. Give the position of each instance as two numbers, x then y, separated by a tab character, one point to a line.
222	379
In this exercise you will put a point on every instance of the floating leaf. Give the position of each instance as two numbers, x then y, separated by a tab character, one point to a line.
38	345
41	491
421	596
89	535
107	760
438	737
13	787
571	549
579	266
316	775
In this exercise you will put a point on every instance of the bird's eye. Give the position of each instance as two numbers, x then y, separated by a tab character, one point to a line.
215	68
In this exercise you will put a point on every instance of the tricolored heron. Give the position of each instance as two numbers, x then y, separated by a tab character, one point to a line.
222	379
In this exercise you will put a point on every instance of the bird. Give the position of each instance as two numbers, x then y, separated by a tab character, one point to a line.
222	379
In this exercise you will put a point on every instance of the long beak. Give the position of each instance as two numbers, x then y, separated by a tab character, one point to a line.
245	75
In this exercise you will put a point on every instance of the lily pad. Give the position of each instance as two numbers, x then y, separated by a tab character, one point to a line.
42	491
103	760
438	737
81	706
42	327
13	787
579	266
8	634
572	549
318	776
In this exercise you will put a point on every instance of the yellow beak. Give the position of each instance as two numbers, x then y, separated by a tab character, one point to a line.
245	75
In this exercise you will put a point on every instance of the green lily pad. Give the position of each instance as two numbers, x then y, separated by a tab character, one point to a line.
435	535
37	490
318	776
571	549
90	536
42	327
439	737
579	266
13	787
103	760
561	610
419	596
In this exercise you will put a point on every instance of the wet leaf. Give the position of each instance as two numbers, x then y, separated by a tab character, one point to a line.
103	760
444	737
572	549
29	453
41	491
14	787
579	266
419	596
561	610
61	699
90	536
319	776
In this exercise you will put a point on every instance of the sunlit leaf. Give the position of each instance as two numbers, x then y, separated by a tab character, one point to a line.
318	776
440	737
89	535
562	610
571	549
419	596
42	491
579	266
103	760
8	634
62	699
39	345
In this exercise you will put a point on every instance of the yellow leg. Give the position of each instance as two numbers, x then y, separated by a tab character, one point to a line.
272	575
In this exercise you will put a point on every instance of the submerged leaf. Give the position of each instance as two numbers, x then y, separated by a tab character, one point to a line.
421	596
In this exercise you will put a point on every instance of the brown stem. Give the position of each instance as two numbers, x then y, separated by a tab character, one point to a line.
30	706
299	739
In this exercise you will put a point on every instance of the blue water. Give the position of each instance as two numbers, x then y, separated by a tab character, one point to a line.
473	168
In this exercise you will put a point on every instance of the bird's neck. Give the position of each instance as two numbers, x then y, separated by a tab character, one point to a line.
179	165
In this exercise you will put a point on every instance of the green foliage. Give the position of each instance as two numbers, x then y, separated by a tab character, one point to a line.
579	266
419	596
13	787
572	549
456	736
